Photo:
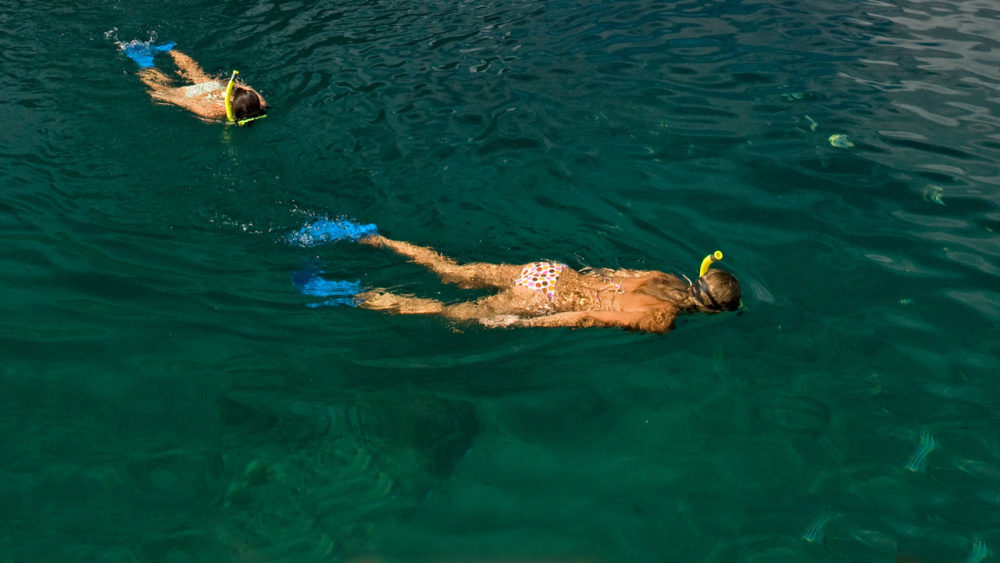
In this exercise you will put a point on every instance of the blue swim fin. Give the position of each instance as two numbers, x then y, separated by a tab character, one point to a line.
343	292
322	231
143	52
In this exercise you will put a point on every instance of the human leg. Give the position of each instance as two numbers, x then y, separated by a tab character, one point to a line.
154	78
467	276
480	309
160	85
379	300
509	302
188	68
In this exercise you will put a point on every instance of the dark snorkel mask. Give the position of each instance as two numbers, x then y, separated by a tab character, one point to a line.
229	105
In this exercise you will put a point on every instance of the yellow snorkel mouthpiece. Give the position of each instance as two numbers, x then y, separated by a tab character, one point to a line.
708	261
230	116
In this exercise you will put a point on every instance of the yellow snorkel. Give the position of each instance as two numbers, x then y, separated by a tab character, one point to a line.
708	261
229	92
229	104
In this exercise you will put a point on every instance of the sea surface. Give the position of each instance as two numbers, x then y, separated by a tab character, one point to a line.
168	395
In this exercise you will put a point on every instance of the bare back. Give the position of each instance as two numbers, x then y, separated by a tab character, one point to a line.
594	291
588	299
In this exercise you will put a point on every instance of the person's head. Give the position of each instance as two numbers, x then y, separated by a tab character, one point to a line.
245	103
715	292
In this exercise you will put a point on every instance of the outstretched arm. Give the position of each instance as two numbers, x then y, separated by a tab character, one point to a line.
189	69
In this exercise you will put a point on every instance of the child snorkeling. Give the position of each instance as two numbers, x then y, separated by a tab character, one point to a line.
210	98
548	294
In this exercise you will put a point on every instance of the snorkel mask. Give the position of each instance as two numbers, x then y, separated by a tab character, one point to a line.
229	104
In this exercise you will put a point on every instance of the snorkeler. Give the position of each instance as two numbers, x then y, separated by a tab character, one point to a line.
548	294
209	98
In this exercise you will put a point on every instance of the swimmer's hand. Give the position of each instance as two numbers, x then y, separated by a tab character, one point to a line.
500	321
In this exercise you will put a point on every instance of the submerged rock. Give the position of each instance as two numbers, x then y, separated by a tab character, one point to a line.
308	469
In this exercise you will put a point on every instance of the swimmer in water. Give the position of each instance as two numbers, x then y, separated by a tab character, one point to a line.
539	294
213	99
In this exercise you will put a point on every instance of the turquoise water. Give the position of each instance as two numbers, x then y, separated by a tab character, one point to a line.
168	395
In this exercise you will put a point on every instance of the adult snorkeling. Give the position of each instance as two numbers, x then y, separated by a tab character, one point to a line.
213	99
544	294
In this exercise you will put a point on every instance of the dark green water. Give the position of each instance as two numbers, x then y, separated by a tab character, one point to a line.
167	395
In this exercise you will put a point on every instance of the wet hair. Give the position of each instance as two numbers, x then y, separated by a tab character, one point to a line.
716	291
245	103
666	288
